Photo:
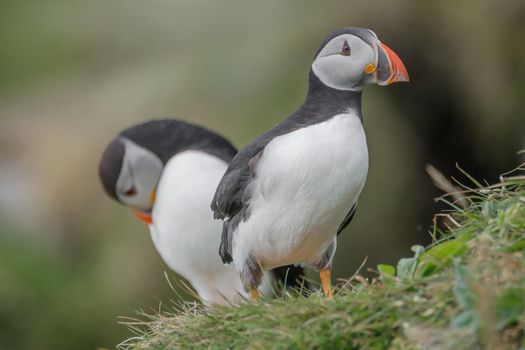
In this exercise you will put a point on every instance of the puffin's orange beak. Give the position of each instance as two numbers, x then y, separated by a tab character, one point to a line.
390	68
144	217
398	70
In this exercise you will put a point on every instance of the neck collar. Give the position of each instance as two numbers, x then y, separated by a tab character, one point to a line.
321	95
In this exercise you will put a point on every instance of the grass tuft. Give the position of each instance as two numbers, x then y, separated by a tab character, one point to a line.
465	291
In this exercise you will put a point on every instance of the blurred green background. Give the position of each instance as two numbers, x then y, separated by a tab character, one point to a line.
74	73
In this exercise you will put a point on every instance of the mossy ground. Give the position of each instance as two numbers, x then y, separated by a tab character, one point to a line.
465	291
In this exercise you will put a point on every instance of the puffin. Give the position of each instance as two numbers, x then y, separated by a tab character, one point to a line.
166	171
289	193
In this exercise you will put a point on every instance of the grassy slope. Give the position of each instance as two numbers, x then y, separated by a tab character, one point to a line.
466	291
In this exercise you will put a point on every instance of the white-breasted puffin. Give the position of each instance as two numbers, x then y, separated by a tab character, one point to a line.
166	171
287	195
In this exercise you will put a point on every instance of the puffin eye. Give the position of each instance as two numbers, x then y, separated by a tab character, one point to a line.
345	51
131	191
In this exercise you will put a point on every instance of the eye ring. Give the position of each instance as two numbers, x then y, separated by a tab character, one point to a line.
345	50
131	191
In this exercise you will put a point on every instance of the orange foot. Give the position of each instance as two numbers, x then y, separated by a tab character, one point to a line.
326	281
254	295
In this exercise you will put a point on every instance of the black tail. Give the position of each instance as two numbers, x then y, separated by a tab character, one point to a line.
291	277
225	246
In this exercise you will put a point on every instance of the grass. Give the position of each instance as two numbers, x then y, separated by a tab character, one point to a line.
465	291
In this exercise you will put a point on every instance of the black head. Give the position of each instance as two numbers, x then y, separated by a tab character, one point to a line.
350	58
130	173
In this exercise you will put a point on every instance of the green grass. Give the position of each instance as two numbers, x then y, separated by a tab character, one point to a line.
465	291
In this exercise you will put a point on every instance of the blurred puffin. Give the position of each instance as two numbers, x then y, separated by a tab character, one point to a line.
287	195
167	171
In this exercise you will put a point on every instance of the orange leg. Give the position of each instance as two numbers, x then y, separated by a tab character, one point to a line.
326	281
254	295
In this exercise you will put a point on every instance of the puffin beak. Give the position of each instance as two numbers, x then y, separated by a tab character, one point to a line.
144	217
390	68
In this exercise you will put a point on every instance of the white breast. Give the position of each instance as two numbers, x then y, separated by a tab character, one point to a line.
184	231
306	182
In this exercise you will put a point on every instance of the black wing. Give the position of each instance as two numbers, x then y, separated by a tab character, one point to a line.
348	218
231	197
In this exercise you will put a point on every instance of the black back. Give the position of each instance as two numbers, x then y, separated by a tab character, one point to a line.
165	138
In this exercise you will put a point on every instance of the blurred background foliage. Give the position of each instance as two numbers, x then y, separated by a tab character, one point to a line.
74	73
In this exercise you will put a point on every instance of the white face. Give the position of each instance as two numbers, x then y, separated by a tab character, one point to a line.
342	61
139	176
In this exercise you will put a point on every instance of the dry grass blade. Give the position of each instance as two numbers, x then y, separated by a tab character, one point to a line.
441	182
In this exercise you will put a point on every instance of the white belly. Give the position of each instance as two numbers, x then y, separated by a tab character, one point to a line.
305	184
184	231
